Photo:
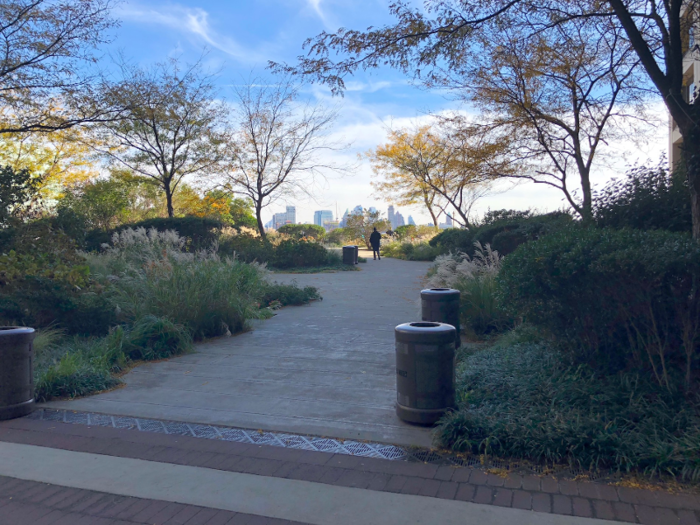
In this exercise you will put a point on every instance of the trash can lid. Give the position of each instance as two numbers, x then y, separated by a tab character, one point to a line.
422	327
439	293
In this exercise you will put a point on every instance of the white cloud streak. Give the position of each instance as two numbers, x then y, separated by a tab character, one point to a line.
191	21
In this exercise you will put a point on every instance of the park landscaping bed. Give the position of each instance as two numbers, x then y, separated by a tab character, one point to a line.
590	353
143	297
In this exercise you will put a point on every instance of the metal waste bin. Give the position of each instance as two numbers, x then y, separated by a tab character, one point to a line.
348	255
441	305
425	371
357	254
16	371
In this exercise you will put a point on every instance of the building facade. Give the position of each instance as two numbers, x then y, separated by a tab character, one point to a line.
289	216
691	83
321	217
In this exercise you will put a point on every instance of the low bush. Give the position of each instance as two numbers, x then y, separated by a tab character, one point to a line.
303	231
616	299
420	251
276	294
44	280
520	399
298	254
504	230
281	254
337	237
475	278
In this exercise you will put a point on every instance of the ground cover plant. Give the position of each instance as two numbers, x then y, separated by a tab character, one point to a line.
519	398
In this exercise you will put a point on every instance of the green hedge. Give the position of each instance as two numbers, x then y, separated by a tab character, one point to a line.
504	230
200	232
289	253
617	299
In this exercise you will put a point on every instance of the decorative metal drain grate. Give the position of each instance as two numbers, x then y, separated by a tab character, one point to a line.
304	442
241	435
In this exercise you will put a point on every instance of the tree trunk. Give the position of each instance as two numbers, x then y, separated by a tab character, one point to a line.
261	226
467	225
587	205
429	205
690	155
169	199
433	216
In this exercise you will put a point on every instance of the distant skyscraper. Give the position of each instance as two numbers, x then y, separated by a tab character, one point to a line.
322	217
291	215
286	217
390	215
448	223
398	220
411	222
278	220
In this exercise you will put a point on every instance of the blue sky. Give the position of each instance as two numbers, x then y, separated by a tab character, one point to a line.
240	36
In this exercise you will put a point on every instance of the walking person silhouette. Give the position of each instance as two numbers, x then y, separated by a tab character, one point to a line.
374	240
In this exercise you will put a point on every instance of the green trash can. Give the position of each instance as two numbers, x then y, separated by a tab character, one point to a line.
425	371
16	371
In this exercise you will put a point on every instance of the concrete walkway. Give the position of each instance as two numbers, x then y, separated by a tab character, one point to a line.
299	501
54	473
323	369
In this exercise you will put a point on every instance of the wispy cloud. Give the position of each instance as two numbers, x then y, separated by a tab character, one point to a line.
192	21
316	6
367	87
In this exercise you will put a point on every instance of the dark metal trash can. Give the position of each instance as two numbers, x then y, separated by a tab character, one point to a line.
16	371
348	255
357	254
425	371
441	305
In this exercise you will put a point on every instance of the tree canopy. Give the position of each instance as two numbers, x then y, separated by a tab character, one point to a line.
436	45
47	76
172	129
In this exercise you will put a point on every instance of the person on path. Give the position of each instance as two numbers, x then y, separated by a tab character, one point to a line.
374	240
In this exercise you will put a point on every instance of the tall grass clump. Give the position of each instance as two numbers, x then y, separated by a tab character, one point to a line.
475	278
150	275
524	400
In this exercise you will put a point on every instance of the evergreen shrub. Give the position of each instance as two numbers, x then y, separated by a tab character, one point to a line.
616	299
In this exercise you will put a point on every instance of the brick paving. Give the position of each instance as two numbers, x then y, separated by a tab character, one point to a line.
33	503
51	505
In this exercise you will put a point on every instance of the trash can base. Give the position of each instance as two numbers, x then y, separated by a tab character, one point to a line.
420	416
18	410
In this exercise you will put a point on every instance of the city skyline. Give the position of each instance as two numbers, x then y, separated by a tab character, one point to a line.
329	221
